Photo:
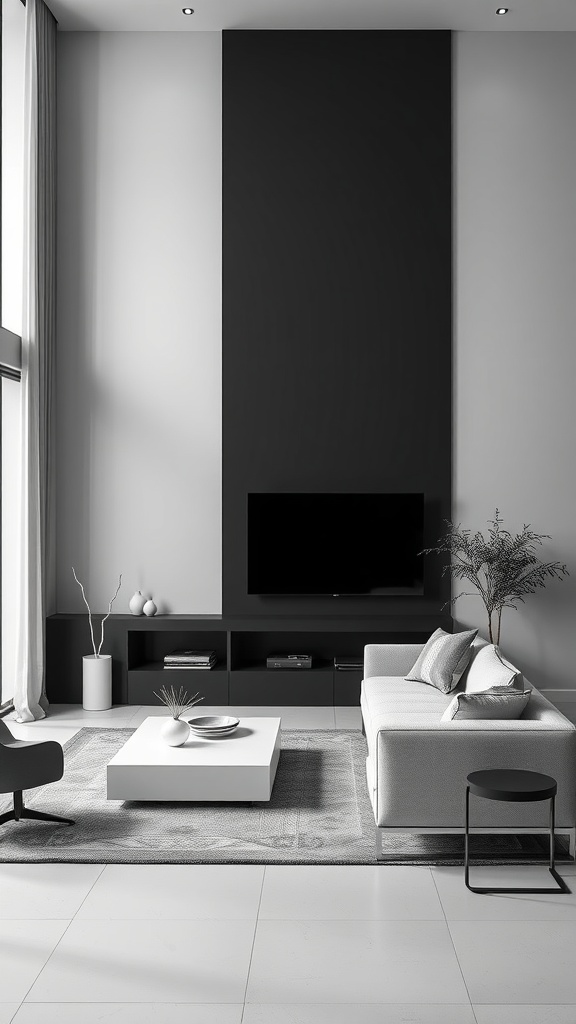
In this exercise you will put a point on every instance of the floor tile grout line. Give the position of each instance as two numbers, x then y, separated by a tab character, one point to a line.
253	944
73	918
97	879
44	965
17	1010
453	946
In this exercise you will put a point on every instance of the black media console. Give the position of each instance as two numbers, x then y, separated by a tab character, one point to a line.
240	676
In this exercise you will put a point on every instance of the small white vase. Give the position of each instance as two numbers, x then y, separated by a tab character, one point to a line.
97	682
136	603
150	608
175	732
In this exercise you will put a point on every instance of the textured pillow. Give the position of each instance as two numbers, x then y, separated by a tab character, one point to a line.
509	703
443	659
489	670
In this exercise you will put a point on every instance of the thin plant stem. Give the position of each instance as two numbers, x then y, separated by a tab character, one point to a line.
177	701
89	612
499	624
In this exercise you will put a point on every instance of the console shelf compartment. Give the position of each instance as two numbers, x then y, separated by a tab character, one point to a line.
288	687
144	683
138	646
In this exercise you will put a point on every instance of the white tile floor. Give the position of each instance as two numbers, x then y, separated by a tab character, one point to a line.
222	944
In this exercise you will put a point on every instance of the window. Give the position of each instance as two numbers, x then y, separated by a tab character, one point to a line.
11	269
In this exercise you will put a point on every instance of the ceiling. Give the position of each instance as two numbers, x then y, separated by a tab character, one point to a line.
214	15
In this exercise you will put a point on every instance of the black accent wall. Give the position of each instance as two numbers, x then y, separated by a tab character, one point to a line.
336	283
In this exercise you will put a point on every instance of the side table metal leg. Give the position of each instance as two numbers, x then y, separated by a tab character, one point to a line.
557	878
552	822
466	841
561	886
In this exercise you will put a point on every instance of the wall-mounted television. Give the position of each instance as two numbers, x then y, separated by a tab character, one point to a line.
335	544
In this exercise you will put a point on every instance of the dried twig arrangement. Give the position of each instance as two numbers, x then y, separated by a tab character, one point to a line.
177	701
97	652
502	568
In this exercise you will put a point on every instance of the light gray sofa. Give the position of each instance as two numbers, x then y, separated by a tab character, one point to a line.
417	765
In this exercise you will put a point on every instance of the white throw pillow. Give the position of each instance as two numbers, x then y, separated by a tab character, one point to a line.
490	669
443	659
509	703
478	644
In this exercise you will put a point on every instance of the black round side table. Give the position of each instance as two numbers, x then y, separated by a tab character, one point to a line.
515	785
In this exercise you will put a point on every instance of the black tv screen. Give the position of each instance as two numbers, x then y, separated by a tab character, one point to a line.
335	544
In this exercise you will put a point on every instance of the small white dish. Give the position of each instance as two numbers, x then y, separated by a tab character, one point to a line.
212	726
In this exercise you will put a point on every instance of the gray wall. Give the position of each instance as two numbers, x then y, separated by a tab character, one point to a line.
139	320
515	316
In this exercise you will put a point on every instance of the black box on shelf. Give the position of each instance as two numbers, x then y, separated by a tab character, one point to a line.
348	664
289	661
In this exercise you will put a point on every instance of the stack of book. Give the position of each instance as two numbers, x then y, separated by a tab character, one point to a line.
348	664
190	659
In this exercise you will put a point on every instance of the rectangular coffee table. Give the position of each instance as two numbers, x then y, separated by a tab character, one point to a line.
241	766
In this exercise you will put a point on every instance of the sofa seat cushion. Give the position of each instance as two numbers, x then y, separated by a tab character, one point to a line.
387	701
392	697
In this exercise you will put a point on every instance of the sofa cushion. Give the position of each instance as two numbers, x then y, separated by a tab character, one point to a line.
490	669
478	644
508	703
443	659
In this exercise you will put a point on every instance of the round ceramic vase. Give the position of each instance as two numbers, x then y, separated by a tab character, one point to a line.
97	682
136	603
150	608
175	732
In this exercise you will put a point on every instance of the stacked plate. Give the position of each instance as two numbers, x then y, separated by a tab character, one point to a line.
214	725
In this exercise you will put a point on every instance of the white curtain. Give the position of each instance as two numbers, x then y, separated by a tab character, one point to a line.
38	340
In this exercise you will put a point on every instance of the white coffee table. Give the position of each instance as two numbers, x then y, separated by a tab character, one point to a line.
241	766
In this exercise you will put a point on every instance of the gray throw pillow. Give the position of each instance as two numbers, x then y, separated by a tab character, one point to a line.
490	670
507	703
443	659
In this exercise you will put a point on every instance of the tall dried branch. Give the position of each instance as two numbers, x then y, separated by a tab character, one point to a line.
89	612
97	652
107	616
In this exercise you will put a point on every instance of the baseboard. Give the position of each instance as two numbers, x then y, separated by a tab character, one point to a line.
559	696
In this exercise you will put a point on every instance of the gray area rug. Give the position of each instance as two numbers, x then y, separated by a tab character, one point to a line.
319	813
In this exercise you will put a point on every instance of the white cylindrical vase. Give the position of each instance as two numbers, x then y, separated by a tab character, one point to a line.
97	682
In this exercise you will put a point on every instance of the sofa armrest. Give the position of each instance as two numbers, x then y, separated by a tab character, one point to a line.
389	659
419	772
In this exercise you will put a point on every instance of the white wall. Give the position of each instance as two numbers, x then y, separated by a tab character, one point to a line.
515	318
139	318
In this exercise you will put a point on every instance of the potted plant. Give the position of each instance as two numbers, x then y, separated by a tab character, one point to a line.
97	667
175	731
502	567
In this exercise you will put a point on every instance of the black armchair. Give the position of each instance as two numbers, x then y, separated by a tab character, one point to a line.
25	765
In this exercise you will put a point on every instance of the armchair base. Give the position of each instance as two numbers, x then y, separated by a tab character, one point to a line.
19	811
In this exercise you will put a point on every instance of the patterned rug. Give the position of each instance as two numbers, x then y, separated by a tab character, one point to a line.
319	813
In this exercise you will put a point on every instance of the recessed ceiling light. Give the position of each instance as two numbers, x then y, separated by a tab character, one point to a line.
187	10
502	10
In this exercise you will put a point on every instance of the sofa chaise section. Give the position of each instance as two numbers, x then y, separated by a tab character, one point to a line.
417	764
